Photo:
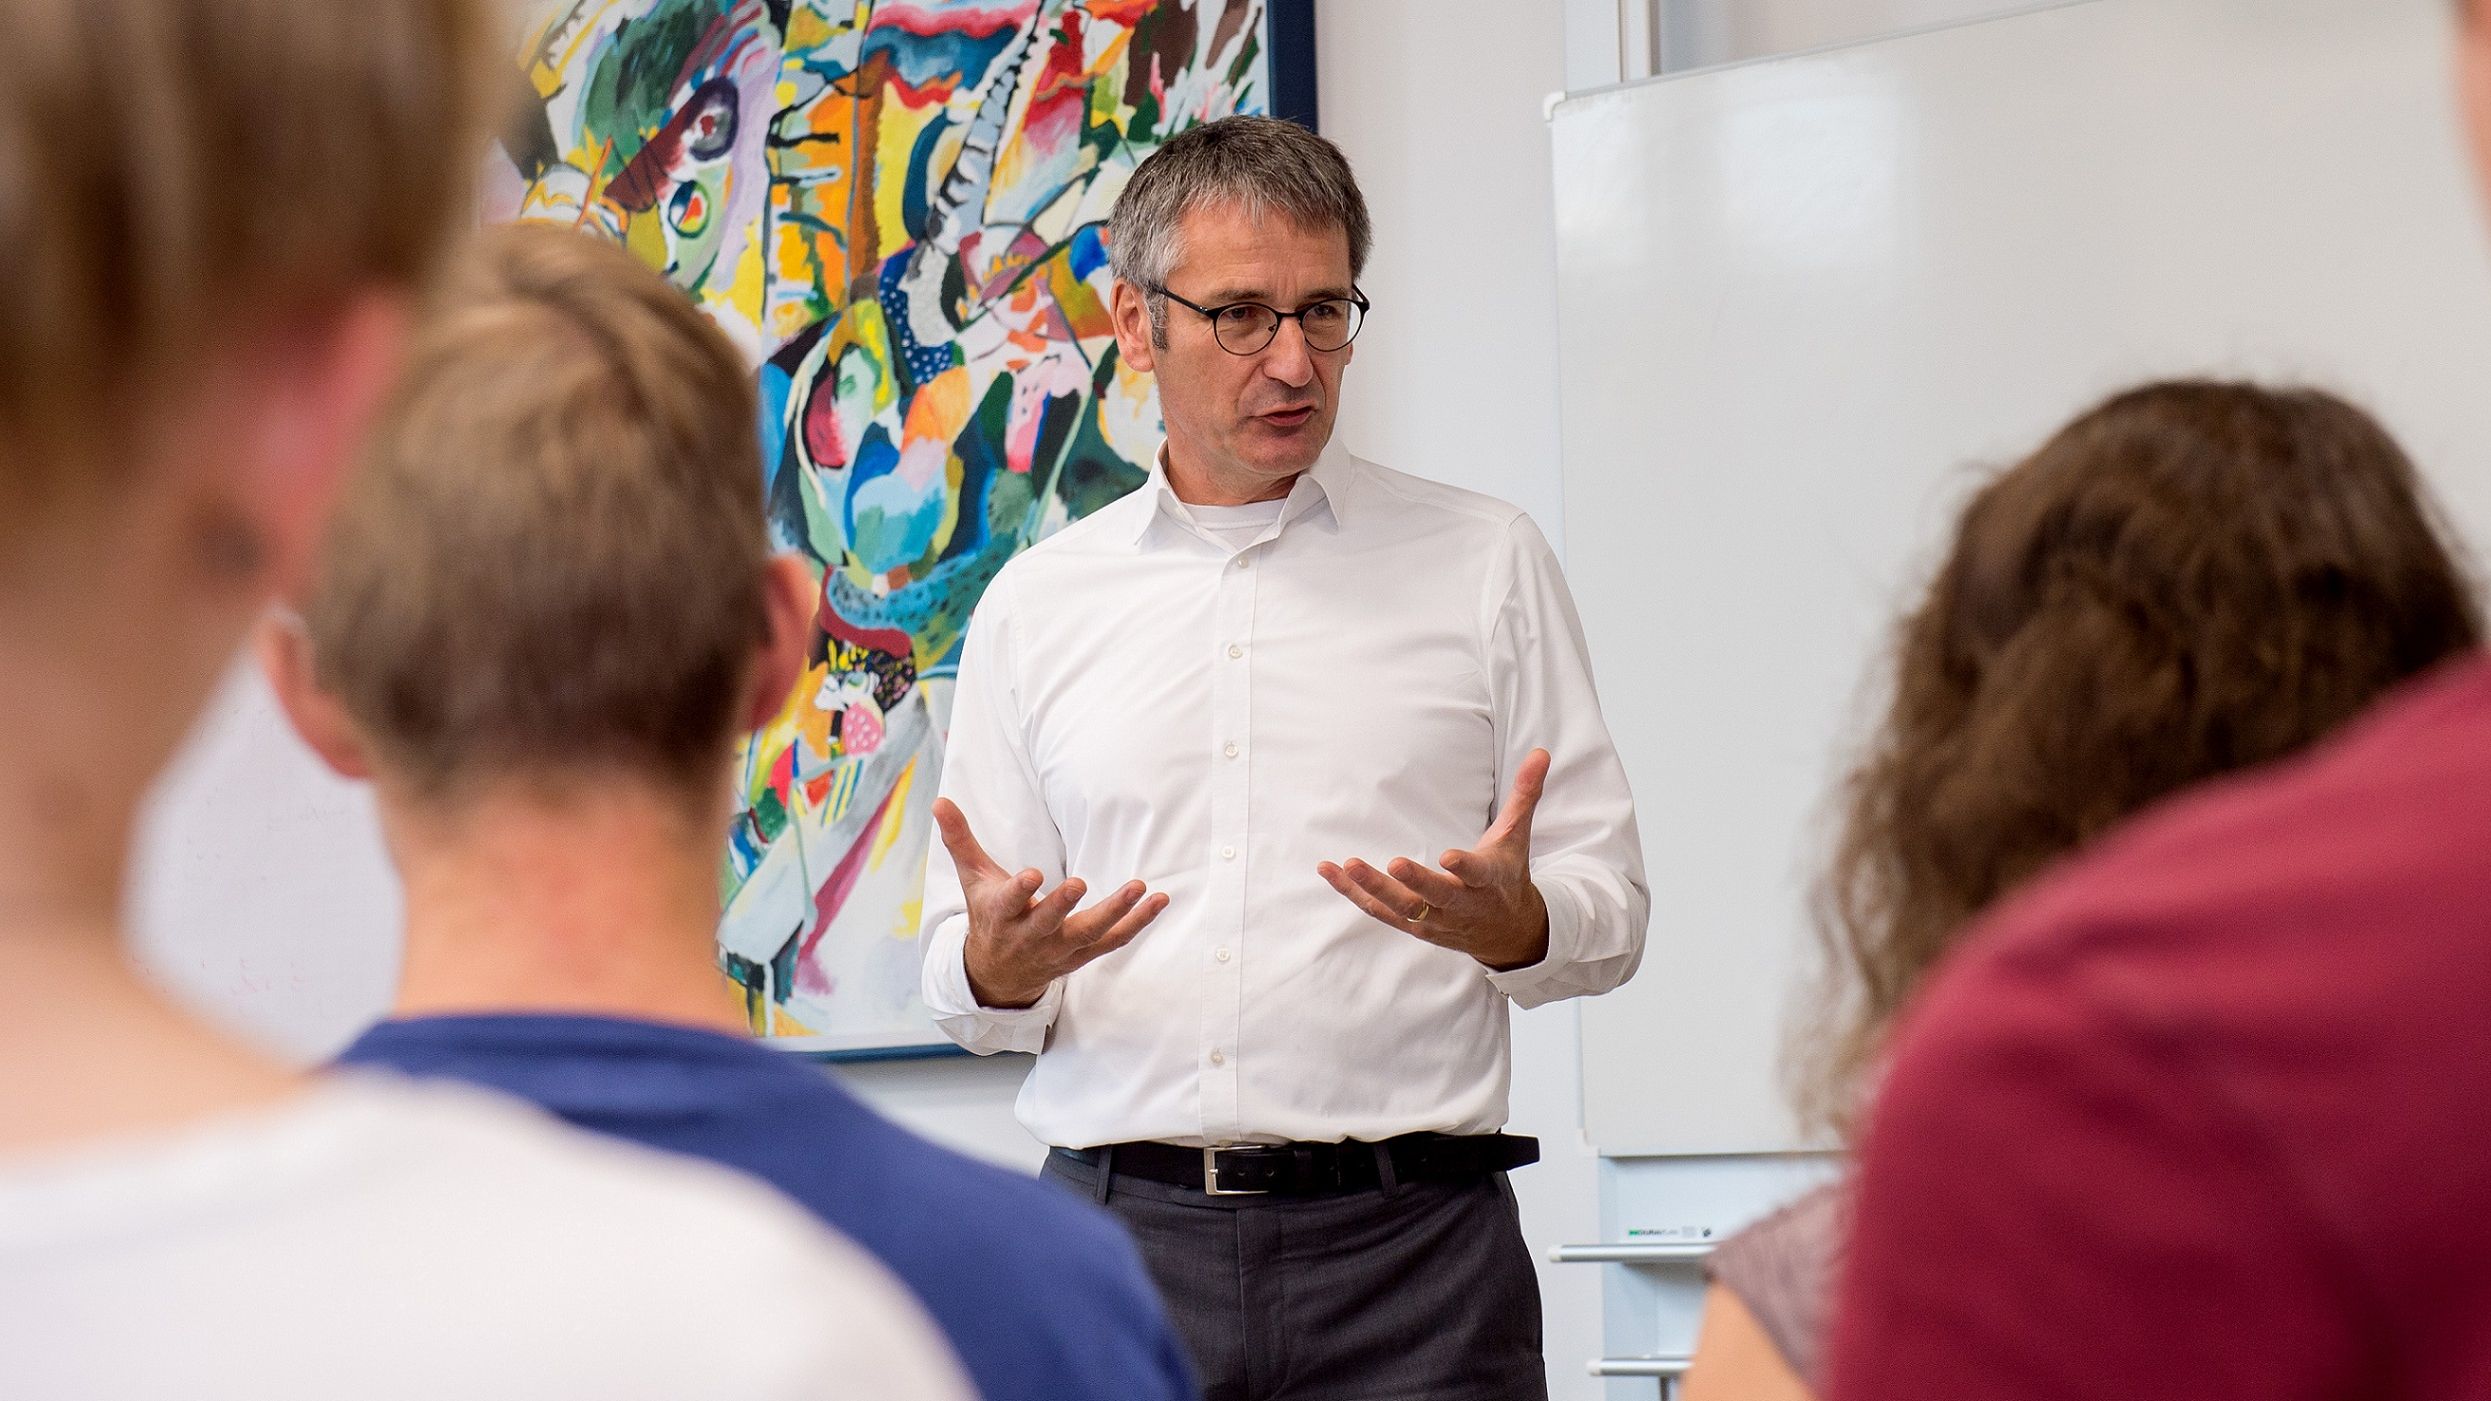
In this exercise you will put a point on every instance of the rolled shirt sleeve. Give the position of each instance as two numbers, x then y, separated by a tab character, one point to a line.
1586	854
986	771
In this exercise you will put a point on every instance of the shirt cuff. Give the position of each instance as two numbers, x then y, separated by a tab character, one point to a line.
987	1030
1534	984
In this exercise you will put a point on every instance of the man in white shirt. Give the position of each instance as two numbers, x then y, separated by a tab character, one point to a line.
220	215
1249	701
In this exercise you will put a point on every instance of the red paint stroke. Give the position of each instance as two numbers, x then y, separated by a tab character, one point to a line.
783	778
635	189
890	642
1066	68
833	897
976	21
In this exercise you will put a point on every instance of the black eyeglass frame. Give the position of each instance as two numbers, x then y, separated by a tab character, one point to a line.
1211	314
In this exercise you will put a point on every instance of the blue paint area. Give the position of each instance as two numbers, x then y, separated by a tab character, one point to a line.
893	522
911	608
870	1055
875	457
776	386
981	454
918	362
923	60
1088	251
917	196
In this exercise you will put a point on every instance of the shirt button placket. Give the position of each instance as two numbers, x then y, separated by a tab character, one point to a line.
1231	837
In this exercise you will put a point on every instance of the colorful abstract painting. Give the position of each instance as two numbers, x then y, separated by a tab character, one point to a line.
898	208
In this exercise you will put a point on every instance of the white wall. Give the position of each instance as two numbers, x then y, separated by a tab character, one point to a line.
1440	106
1613	41
962	1101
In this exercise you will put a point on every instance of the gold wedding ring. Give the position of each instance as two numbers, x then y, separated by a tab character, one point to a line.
1424	910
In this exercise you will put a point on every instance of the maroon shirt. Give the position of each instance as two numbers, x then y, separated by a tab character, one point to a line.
2208	1113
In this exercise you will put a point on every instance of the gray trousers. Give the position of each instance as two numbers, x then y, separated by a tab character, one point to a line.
1423	1292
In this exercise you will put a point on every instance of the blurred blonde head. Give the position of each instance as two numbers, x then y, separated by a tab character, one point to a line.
219	218
183	176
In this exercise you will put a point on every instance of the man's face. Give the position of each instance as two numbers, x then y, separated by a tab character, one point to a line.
1250	422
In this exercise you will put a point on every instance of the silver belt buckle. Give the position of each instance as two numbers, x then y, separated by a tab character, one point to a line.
1211	1174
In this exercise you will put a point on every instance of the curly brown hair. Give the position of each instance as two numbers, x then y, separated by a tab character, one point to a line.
2190	579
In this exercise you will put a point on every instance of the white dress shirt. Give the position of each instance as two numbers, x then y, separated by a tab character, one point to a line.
1156	695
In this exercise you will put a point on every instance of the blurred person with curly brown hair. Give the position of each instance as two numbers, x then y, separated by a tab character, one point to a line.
2190	579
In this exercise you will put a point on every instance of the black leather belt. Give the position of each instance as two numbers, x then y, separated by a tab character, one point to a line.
1314	1169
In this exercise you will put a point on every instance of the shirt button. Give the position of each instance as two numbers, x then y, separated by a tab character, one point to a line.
1221	955
1231	750
1219	1058
1234	652
1244	563
1228	853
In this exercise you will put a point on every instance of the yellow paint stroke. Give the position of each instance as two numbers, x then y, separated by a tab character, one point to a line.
843	790
895	140
800	270
646	238
941	409
807	30
894	817
813	723
783	731
1107	98
751	285
590	197
552	72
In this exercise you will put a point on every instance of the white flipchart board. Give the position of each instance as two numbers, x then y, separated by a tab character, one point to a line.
1799	301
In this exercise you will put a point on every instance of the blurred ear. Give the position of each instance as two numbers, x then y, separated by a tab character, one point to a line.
2473	83
284	652
788	595
1130	310
321	384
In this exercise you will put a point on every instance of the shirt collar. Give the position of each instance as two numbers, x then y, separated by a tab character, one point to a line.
1326	489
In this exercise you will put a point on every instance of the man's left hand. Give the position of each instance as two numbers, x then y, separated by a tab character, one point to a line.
1482	903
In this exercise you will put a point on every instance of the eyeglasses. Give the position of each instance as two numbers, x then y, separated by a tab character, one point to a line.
1244	328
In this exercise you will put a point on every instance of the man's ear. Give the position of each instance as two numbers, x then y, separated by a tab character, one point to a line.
284	652
323	382
789	594
1129	309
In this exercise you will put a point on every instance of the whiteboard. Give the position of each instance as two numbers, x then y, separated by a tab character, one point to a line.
1800	302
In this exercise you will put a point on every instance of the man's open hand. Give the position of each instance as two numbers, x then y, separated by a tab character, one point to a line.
1482	903
1019	941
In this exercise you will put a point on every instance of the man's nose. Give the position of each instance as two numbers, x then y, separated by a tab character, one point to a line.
1288	358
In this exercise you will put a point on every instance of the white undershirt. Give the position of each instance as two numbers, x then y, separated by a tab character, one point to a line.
1234	527
376	1239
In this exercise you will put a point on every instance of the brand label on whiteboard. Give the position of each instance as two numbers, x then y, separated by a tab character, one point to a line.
1670	1233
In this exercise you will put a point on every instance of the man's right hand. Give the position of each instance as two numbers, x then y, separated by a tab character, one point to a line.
1021	942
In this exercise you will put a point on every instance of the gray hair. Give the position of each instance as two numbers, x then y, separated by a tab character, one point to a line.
1261	163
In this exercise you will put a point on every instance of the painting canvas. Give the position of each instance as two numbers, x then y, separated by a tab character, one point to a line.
897	208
